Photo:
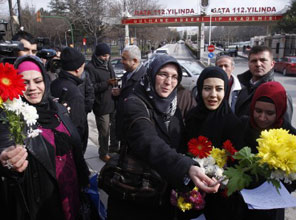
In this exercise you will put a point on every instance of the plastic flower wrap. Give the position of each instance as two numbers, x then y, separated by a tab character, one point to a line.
212	161
18	114
275	161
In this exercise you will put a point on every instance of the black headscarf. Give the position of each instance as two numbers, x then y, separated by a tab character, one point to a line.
45	109
217	125
162	105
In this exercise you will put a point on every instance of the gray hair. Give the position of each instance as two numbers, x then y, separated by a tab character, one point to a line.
226	57
133	51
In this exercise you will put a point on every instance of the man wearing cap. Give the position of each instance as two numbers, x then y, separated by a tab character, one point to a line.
103	79
72	62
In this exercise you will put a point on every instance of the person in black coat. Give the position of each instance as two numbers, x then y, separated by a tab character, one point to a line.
49	187
87	91
267	110
260	61
103	79
213	119
72	62
131	60
155	140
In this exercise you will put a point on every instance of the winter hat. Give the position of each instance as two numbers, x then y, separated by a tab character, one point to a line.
28	65
71	59
102	49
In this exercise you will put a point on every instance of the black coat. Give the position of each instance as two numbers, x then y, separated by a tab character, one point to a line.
152	143
87	90
34	194
124	93
74	98
99	76
244	99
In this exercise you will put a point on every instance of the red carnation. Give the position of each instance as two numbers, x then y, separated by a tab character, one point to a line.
11	84
227	145
200	147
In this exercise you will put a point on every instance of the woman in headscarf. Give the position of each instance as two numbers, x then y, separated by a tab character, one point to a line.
213	119
267	110
155	138
49	187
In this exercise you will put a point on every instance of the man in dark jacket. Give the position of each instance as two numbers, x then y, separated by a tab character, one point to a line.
73	63
87	90
261	65
131	60
102	77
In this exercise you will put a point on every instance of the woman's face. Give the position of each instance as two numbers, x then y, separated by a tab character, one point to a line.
35	86
166	80
213	92
264	114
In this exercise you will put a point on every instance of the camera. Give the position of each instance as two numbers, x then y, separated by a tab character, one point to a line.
52	63
8	49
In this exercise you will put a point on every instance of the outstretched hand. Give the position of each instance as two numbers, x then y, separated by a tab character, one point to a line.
202	181
14	158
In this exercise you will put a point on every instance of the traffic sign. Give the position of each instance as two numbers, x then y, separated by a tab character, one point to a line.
211	55
211	48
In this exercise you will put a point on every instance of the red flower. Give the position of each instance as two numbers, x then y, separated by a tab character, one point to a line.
200	147
227	145
11	84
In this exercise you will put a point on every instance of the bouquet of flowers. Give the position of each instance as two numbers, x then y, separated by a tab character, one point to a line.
18	113
212	161
275	161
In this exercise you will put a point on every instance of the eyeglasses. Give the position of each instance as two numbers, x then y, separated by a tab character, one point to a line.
165	76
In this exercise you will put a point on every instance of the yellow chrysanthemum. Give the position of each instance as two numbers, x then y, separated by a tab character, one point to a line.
1	101
220	156
277	148
184	205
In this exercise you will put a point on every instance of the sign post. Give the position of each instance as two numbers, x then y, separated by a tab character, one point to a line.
211	49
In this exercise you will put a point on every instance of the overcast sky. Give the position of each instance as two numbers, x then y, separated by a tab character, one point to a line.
175	4
180	4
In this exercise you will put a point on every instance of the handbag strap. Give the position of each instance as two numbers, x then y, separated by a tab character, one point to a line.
124	147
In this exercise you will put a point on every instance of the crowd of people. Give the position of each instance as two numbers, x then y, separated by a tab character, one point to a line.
151	114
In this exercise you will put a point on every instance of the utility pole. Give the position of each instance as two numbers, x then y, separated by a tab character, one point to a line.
127	40
19	12
10	14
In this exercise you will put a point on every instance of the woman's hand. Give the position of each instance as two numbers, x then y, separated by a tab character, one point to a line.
202	181
14	158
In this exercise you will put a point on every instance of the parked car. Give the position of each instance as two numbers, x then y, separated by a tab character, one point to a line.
286	65
118	67
191	72
162	51
229	52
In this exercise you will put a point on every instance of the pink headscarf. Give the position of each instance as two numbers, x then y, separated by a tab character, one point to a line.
28	65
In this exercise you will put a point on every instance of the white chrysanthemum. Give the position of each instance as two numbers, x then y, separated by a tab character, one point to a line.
15	105
210	170
34	133
199	161
292	176
29	113
209	161
219	171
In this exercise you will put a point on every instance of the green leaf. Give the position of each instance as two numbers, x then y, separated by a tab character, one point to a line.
238	180
275	183
243	153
